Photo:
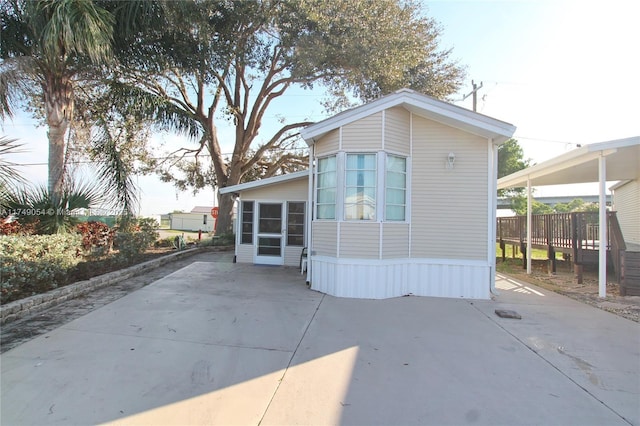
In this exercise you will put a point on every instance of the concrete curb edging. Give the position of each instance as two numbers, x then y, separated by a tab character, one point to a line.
21	308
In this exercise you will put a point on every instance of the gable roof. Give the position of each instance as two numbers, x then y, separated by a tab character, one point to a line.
419	104
303	174
581	165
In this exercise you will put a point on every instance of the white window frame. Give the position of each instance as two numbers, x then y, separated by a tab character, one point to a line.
387	187
318	204
288	216
376	171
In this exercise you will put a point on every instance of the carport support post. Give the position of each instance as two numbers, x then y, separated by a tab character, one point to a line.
603	237
529	224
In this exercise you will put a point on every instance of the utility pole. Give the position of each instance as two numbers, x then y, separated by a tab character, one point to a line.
474	92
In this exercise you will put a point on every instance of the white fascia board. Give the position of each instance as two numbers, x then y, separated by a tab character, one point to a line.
562	162
422	105
614	144
265	182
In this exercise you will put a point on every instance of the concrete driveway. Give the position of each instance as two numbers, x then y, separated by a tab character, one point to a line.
222	343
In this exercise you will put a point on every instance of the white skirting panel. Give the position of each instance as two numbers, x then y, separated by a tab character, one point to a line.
381	279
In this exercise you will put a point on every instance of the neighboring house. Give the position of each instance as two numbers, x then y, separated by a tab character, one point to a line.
626	202
382	223
198	219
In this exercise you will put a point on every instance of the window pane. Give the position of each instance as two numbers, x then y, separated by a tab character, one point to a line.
326	180
361	161
360	212
395	213
395	196
396	188
296	208
326	164
247	223
269	246
358	195
361	178
327	196
396	180
270	219
396	164
326	211
295	224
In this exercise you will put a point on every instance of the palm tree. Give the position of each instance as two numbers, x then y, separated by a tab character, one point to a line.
48	47
49	215
49	43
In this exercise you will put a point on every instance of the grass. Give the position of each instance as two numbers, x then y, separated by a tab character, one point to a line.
536	254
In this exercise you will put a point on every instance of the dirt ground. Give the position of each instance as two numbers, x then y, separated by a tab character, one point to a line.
564	282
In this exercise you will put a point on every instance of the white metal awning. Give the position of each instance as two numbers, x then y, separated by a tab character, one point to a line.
616	160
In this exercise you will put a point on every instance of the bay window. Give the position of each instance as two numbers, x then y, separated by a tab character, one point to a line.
360	190
361	187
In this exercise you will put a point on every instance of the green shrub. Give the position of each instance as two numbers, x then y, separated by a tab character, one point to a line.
225	240
35	264
141	235
165	242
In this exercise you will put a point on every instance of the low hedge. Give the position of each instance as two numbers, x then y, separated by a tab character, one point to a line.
35	264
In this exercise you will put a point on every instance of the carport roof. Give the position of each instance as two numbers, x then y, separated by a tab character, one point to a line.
581	165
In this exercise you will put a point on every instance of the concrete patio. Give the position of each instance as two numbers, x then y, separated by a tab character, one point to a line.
223	343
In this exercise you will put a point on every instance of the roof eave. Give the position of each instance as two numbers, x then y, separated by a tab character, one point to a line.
265	182
417	103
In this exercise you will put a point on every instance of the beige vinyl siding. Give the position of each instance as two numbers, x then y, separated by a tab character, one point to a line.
297	190
245	253
292	256
364	134
325	240
627	205
329	143
449	211
359	240
395	240
396	131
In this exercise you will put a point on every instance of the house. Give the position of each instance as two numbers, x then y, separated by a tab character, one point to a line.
626	201
375	209
198	219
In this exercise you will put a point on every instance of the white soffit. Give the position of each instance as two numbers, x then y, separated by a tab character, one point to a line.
581	165
419	104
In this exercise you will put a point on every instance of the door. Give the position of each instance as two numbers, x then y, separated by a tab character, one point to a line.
269	250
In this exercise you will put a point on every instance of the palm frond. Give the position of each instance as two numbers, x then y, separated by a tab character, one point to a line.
149	107
114	173
9	175
52	215
76	27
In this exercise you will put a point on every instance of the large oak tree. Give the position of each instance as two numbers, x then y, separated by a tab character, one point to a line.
205	64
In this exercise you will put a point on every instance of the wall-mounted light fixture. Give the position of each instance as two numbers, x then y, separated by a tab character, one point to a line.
451	159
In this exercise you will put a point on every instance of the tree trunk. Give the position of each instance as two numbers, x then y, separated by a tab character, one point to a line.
224	224
56	136
58	101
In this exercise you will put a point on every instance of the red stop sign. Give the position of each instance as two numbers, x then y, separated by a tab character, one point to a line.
214	212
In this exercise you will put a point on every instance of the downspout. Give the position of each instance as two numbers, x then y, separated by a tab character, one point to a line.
309	215
238	229
493	190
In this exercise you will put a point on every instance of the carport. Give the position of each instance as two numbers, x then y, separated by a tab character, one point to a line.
617	160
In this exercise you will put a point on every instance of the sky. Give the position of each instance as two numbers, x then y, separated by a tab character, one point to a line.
564	72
